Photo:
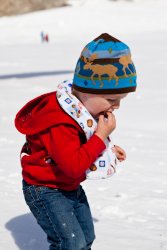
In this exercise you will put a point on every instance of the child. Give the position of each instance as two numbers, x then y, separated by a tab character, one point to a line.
66	132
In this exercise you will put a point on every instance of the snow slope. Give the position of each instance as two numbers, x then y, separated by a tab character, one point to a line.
129	209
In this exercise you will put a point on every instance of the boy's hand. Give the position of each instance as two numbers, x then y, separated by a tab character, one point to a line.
105	125
120	153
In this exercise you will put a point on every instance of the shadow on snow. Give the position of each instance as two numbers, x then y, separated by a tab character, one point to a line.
27	234
35	74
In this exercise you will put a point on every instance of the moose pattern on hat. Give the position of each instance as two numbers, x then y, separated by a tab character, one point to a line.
99	70
105	65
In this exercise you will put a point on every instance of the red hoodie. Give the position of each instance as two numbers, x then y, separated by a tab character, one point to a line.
57	151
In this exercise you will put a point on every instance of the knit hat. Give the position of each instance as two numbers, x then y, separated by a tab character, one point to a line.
105	67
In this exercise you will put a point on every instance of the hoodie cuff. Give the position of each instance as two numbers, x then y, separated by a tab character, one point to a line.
96	145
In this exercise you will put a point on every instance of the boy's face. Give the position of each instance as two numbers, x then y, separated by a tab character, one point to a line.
100	104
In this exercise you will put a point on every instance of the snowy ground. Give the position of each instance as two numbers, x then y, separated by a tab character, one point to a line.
129	210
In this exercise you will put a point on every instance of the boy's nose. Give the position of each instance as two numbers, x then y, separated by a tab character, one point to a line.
110	110
116	105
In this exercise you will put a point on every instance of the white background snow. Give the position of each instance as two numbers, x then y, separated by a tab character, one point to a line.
130	209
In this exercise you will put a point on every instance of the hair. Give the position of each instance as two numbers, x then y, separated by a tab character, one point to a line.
74	91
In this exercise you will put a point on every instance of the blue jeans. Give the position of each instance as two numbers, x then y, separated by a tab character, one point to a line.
64	216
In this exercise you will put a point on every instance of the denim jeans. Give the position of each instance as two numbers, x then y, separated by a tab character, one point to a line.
64	216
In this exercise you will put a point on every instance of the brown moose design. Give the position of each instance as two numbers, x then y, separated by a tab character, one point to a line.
100	70
125	61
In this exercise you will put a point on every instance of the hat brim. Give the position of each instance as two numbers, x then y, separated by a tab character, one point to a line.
105	91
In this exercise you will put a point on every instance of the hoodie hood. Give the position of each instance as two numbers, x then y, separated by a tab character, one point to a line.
41	113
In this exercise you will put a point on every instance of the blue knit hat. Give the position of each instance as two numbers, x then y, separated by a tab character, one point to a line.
105	67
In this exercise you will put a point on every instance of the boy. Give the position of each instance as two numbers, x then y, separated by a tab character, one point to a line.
66	133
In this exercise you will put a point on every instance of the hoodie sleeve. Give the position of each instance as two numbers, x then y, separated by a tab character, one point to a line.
71	156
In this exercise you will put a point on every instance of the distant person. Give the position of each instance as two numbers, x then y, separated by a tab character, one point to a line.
42	36
68	139
47	38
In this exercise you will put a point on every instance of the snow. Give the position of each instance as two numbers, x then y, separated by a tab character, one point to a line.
129	210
